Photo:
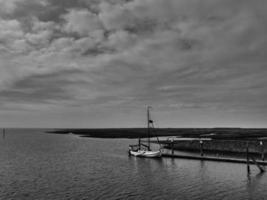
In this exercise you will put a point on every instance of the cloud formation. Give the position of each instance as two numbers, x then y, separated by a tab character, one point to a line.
195	58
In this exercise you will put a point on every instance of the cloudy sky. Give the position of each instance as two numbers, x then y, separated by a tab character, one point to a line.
99	63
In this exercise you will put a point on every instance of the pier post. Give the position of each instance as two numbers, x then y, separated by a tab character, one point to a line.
262	150
201	147
172	146
247	152
4	133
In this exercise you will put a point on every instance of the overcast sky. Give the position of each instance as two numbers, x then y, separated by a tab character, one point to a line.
99	63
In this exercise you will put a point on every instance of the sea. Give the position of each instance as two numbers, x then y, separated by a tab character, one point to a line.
37	165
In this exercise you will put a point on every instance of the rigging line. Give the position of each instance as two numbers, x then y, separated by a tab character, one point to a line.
156	135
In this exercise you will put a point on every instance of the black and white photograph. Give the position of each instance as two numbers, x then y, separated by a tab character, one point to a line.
133	100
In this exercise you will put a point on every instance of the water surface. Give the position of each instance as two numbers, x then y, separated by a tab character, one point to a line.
36	165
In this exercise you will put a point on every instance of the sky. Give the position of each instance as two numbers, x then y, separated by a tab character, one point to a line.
99	63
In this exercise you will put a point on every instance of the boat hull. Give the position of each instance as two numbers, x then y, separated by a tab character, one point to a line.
147	154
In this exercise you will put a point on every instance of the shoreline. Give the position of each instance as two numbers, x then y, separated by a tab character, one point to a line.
213	133
226	141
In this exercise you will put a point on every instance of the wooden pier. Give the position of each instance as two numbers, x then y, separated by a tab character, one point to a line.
250	159
210	158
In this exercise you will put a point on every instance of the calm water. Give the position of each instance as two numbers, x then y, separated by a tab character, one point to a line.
35	165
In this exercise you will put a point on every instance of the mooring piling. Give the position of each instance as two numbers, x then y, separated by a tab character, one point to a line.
4	133
172	145
201	148
262	150
247	153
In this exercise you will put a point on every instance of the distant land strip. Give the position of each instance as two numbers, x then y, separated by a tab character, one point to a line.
213	133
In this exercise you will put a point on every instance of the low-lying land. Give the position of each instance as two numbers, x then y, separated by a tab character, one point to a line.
223	140
214	133
226	147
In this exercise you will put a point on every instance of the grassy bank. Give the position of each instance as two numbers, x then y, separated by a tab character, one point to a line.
215	133
226	146
222	137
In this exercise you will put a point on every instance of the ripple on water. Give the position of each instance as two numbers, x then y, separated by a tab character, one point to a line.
35	165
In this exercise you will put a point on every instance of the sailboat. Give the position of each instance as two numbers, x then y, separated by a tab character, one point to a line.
144	150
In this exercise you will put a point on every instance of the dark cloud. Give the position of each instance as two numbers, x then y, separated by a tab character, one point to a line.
39	89
198	58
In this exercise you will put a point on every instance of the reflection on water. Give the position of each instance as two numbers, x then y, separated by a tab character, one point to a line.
35	165
253	185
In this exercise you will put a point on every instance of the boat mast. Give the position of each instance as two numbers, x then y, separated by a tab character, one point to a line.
148	127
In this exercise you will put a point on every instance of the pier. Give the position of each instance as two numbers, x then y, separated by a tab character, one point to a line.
248	159
211	158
